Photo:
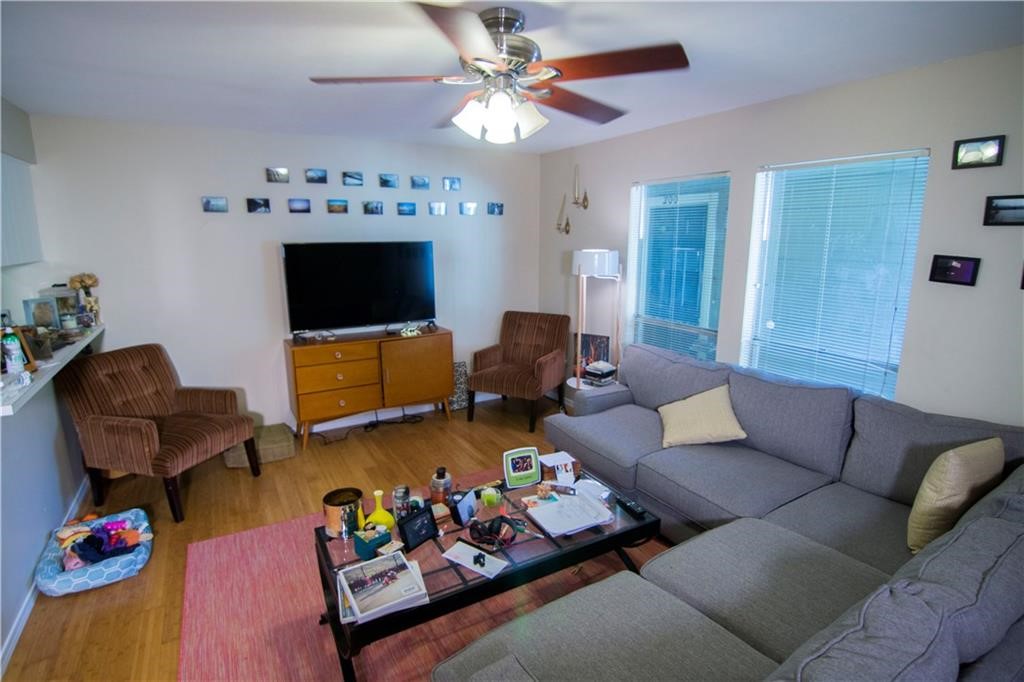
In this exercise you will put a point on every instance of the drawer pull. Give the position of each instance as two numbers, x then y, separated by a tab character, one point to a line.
341	403
339	376
337	354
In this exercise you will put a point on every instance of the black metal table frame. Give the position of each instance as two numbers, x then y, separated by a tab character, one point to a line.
350	638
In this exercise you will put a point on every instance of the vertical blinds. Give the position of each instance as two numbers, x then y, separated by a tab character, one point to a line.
680	247
830	280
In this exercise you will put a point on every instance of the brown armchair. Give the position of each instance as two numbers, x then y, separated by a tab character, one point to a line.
132	415
528	361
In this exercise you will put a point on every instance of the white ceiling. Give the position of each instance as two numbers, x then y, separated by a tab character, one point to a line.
246	64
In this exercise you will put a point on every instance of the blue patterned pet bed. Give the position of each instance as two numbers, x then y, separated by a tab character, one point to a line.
52	579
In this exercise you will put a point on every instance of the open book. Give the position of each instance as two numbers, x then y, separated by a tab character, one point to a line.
570	514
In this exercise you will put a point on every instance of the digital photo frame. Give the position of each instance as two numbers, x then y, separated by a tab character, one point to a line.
522	467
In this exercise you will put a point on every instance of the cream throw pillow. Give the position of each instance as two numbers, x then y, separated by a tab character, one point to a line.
702	418
955	481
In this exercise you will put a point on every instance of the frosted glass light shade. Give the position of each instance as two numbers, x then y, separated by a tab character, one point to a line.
471	119
595	263
500	121
530	120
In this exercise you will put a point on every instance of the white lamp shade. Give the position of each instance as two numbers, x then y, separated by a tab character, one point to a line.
530	120
500	121
595	263
471	119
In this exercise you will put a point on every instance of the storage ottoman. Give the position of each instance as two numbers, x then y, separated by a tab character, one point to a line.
273	442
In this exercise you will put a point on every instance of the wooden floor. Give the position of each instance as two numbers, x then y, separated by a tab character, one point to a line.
131	631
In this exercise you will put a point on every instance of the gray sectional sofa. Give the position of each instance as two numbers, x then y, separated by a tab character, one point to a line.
795	563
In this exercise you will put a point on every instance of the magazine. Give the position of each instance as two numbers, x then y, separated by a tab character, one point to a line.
374	588
570	515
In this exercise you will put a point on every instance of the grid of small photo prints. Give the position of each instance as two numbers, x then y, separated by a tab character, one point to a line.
385	181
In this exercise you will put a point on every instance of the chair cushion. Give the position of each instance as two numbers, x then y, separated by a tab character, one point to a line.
723	574
634	631
713	484
866	527
517	381
526	336
703	418
190	438
657	376
608	443
953	483
806	424
893	445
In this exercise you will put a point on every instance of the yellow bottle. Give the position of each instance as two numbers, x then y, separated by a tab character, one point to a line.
380	516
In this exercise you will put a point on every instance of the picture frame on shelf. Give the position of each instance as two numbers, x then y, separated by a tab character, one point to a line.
962	270
522	467
979	152
1004	210
42	312
417	528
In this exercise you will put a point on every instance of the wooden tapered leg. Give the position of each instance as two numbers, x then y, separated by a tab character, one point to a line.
254	457
98	484
447	409
533	415
174	498
471	406
306	428
504	397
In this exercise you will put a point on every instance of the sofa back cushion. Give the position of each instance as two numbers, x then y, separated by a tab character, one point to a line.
893	445
803	423
1006	501
657	376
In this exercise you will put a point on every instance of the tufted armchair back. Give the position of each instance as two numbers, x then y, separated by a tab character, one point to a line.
139	381
528	336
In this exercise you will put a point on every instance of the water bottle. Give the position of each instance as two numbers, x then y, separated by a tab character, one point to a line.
12	352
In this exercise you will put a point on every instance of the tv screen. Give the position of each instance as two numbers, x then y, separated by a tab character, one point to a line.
331	285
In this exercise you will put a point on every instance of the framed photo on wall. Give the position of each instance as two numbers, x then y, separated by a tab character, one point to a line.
962	270
1007	209
978	152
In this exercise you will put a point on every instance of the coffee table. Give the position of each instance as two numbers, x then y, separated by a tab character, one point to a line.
451	587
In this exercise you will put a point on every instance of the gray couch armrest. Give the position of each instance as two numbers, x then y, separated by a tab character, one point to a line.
600	399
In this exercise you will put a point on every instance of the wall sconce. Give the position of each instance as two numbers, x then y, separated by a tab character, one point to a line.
562	224
576	200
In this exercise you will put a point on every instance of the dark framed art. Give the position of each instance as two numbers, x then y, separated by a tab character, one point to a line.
417	528
1007	209
961	270
978	152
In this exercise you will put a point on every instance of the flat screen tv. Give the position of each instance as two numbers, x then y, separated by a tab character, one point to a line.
333	285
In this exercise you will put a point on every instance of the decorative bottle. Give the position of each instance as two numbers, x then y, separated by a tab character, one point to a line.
380	516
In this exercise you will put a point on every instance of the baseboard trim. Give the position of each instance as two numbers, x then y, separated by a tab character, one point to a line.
30	599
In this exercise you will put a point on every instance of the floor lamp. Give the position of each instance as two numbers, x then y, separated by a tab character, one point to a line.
602	264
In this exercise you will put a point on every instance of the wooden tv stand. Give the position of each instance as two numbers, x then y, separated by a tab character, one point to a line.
362	372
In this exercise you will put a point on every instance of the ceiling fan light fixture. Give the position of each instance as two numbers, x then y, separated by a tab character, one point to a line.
529	118
500	121
471	119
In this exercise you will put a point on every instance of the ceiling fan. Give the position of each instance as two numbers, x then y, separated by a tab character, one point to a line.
513	75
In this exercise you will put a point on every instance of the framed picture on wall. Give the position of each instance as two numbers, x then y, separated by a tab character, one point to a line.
961	270
978	152
1007	209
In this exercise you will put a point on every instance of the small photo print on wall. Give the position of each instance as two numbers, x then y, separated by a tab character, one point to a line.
419	182
215	204
451	183
495	208
406	208
978	152
388	180
337	205
1002	210
437	208
373	208
257	205
298	205
352	178
467	208
277	175
961	270
316	175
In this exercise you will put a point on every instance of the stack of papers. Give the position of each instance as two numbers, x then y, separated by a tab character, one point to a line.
380	586
475	560
570	514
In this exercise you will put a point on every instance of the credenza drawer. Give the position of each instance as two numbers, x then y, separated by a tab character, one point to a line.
336	375
328	404
305	356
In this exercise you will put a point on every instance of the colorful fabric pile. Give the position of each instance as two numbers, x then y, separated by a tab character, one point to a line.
83	544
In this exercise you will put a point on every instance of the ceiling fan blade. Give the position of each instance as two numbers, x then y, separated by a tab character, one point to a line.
465	31
578	105
619	63
447	121
331	80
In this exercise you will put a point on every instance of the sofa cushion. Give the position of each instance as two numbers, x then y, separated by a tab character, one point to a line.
608	443
657	376
975	574
507	669
866	527
954	481
892	634
713	484
600	398
633	630
806	424
1006	501
893	445
1004	662
771	587
703	418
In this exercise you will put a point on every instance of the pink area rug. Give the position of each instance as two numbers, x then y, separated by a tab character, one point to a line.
253	601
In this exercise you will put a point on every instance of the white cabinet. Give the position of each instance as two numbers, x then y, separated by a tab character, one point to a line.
19	228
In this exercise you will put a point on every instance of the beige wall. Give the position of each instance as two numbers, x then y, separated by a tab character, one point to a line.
17	133
123	200
964	351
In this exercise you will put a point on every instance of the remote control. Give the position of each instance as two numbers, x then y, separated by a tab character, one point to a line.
631	507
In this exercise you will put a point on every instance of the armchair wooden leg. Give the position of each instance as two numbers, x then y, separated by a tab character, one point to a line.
254	458
98	484
561	395
533	415
174	498
504	397
471	406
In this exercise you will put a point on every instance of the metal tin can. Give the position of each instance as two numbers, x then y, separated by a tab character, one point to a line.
400	502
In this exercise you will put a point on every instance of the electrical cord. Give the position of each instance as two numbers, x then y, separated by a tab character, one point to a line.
369	426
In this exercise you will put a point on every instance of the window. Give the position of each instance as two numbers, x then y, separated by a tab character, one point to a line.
830	269
677	245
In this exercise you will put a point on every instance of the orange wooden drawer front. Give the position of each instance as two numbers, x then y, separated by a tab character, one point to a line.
305	356
329	404
336	375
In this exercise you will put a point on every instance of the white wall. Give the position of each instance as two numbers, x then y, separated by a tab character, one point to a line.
123	200
964	350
